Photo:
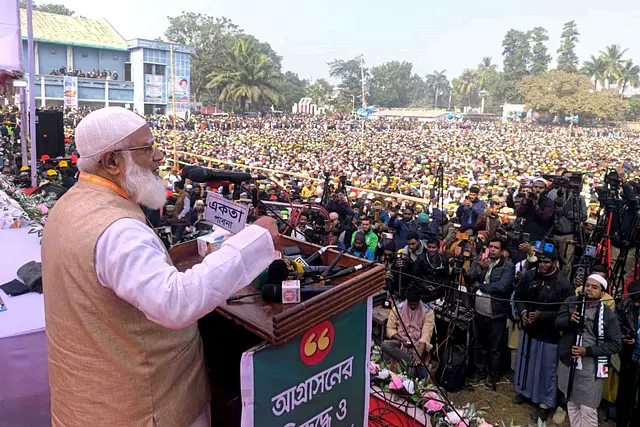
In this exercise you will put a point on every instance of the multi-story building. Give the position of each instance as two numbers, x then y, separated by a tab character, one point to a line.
140	70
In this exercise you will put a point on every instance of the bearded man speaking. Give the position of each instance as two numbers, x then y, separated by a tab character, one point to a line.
123	342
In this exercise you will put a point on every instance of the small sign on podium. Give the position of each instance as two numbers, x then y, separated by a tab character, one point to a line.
225	213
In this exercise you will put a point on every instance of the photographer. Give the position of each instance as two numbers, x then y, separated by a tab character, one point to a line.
490	221
628	312
622	234
536	211
404	226
489	277
565	232
471	208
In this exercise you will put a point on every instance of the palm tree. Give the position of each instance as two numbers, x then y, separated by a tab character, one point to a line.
250	76
612	56
485	69
595	68
467	83
629	75
437	81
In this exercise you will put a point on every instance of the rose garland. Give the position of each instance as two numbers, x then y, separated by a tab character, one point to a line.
35	207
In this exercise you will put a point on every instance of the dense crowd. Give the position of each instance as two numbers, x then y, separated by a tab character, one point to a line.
507	221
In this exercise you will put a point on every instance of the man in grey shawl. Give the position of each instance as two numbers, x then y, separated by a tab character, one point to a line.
601	339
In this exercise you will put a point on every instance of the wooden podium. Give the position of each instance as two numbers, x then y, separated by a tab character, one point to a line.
232	329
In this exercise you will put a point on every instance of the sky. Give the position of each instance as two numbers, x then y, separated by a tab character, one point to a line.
441	35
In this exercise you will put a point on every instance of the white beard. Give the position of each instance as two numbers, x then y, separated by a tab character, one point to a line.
143	186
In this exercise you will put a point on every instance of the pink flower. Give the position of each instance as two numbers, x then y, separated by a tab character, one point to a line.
43	209
396	383
484	423
433	405
373	368
464	423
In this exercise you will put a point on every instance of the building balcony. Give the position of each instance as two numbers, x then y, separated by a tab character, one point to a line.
90	91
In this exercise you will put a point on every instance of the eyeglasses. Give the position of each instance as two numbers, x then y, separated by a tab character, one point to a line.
147	149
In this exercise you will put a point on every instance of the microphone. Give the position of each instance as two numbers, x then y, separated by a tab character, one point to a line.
286	269
200	174
317	254
347	271
273	292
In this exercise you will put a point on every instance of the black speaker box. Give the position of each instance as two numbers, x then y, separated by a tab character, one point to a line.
49	133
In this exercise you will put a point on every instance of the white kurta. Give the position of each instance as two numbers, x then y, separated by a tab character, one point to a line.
131	260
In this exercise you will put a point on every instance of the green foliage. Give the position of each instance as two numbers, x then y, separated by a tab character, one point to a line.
58	9
561	93
540	59
250	75
213	40
390	83
292	88
320	92
350	76
629	74
595	68
516	54
567	58
612	57
438	87
633	113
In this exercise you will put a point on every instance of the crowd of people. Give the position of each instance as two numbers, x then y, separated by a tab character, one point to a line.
498	212
93	74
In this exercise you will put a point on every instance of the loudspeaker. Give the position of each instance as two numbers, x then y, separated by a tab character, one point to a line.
49	133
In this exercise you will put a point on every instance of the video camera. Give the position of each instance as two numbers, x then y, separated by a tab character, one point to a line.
568	181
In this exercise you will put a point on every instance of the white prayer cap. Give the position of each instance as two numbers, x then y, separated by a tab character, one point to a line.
104	128
599	279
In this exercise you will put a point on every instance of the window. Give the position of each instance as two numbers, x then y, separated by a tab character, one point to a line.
160	70
127	72
148	68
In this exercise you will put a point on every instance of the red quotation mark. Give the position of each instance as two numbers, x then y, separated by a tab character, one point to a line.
316	343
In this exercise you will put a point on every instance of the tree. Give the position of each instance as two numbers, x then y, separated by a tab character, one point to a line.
612	56
466	84
565	94
213	40
320	92
349	74
485	70
291	88
567	58
516	54
439	84
389	84
629	75
540	59
58	9
595	68
251	75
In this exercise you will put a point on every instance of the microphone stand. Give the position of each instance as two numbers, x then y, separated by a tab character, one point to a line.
578	341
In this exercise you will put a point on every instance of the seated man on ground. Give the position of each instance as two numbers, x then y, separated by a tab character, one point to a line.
419	321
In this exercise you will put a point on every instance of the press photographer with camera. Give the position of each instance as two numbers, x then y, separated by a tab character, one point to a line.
404	226
536	211
490	275
569	215
470	208
628	312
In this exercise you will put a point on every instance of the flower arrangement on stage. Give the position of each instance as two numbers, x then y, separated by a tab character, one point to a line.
34	208
391	378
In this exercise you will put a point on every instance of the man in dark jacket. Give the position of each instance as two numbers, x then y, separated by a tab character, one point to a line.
601	338
537	211
628	313
537	357
403	226
471	208
422	259
492	277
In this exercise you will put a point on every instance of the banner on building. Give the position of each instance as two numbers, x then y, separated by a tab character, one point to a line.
70	92
10	43
180	90
321	378
152	86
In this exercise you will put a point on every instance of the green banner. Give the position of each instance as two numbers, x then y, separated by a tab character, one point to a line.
320	379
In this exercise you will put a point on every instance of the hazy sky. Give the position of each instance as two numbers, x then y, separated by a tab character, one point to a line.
449	35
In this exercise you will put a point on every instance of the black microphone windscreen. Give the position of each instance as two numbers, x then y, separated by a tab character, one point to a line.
278	271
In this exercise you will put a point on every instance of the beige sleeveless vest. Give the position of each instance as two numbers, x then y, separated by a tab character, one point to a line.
108	364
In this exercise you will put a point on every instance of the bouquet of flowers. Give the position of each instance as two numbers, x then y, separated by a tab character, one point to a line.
391	378
24	208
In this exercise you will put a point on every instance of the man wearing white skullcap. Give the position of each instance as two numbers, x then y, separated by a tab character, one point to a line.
123	342
601	338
